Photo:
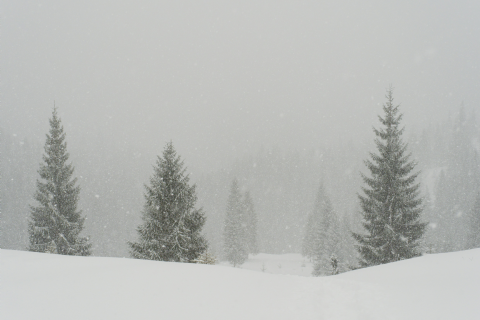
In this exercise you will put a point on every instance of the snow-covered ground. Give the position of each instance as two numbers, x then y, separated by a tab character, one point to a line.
46	286
289	264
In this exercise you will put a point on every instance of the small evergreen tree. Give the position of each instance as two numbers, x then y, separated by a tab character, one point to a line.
171	224
475	224
251	224
322	233
55	224
391	206
235	231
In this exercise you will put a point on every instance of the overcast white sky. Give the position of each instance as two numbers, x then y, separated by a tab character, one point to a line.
222	78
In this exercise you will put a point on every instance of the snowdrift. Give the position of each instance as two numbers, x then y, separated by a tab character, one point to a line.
46	286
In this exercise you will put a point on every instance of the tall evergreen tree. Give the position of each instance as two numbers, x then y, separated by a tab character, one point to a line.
251	224
235	232
55	224
171	229
391	206
475	224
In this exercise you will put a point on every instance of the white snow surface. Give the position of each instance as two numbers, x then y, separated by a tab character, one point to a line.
47	286
289	264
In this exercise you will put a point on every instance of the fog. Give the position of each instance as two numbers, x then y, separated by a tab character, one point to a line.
220	79
225	80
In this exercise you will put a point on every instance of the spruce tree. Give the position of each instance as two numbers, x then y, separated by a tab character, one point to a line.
251	224
55	224
390	206
235	231
171	229
322	233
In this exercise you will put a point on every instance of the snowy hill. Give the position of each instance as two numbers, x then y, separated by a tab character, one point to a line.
45	286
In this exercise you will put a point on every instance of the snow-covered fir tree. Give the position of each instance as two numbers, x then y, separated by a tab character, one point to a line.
322	233
391	207
475	224
322	261
235	243
251	224
171	229
55	224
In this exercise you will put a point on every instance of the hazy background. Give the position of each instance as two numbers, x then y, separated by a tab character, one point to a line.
221	78
224	79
